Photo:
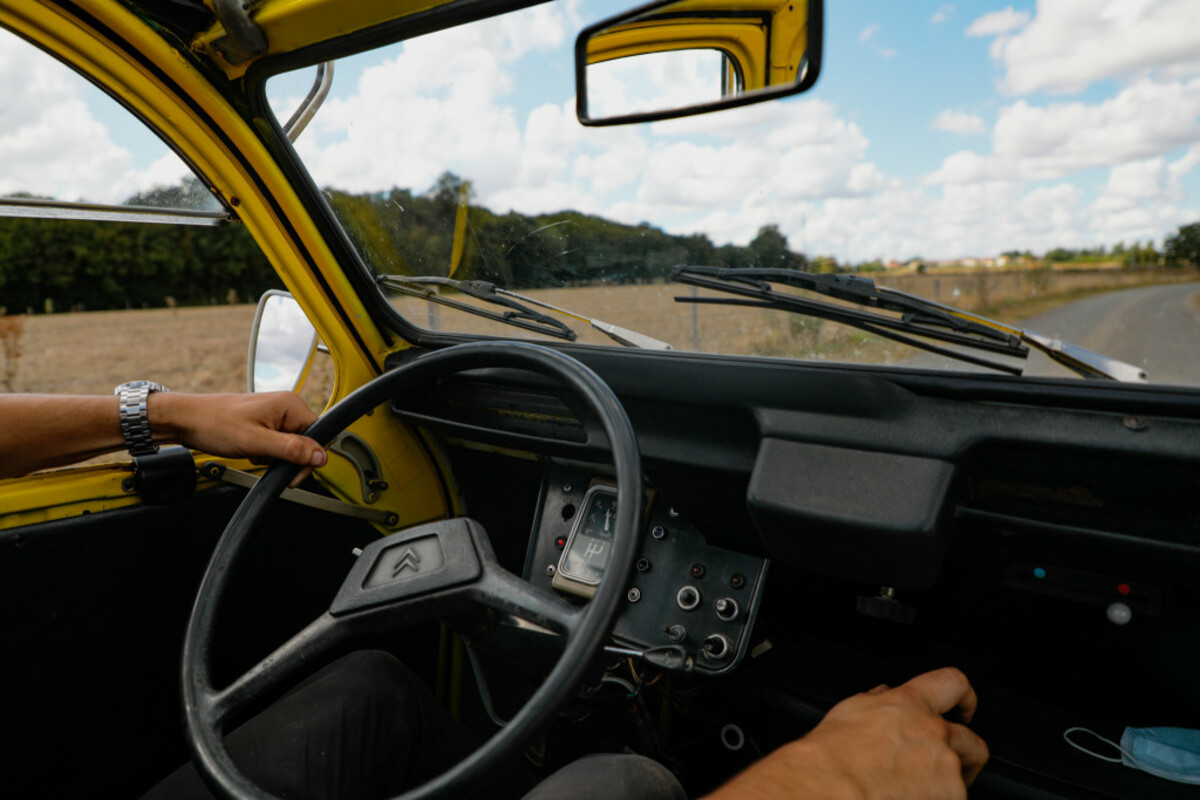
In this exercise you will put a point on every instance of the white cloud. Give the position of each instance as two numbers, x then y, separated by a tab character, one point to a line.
654	81
1134	183
1072	44
942	15
801	151
995	23
462	115
51	143
868	37
1030	143
1188	162
958	122
1145	119
1143	198
966	166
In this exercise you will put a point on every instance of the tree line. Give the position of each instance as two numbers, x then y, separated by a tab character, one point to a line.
57	264
60	264
408	234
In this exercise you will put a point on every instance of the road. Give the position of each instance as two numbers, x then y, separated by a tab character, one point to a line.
1154	327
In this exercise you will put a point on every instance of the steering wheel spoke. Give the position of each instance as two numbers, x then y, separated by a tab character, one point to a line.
503	591
297	657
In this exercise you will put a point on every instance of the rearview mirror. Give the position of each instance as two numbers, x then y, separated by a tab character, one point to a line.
674	58
282	344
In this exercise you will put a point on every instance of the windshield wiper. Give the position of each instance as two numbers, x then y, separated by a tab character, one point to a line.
620	335
521	314
918	317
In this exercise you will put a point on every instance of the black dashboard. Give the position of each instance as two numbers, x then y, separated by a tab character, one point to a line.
1042	535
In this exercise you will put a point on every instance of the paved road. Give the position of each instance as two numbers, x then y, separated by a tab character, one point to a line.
1154	327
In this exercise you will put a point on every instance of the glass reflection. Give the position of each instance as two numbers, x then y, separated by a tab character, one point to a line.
283	344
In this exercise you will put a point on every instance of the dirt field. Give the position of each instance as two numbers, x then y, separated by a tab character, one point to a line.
204	349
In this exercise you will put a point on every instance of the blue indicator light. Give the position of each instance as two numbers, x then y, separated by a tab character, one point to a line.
1038	572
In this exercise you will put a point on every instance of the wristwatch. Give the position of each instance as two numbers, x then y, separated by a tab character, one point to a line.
135	422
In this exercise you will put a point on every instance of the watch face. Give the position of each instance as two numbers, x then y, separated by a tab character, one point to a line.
588	549
135	385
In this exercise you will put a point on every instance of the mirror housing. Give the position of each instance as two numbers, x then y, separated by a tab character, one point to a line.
282	344
754	50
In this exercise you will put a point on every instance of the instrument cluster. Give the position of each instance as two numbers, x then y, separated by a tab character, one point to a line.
688	605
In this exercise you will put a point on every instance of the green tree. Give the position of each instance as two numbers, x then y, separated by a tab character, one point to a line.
824	264
1183	247
770	249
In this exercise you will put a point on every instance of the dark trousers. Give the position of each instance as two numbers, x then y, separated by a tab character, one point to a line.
366	727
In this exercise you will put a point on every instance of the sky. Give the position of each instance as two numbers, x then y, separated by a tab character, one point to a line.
936	130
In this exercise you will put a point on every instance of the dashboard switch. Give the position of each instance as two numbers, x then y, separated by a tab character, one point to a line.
688	598
717	647
727	609
1119	614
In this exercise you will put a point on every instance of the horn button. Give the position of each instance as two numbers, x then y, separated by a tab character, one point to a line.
428	558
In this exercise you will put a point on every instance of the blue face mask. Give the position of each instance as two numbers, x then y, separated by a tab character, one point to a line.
1171	753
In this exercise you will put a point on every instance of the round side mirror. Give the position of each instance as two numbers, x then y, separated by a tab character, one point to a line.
282	344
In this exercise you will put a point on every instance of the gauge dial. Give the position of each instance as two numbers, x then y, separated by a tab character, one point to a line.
590	545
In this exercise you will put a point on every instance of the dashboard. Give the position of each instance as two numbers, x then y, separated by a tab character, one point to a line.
1039	534
689	606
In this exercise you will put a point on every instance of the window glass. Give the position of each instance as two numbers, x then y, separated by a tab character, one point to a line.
63	139
86	305
1054	194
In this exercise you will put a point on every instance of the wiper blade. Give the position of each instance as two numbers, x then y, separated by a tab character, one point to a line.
919	317
620	335
519	314
522	315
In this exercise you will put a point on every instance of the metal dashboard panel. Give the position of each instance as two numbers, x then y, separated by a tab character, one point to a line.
673	557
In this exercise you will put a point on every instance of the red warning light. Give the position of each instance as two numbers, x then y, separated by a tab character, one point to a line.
1124	588
560	542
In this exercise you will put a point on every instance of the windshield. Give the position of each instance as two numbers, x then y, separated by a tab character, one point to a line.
1032	163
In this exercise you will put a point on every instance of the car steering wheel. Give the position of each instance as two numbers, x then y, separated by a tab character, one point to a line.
383	590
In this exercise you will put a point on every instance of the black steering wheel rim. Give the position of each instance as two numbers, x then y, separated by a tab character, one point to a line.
206	709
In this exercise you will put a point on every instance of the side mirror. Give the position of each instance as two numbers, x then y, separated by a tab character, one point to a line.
675	58
282	344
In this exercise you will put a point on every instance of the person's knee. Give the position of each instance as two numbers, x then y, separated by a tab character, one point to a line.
372	671
603	776
365	679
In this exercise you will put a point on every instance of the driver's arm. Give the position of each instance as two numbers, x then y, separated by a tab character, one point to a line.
886	743
42	431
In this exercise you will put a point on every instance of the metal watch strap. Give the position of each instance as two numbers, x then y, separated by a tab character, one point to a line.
135	421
